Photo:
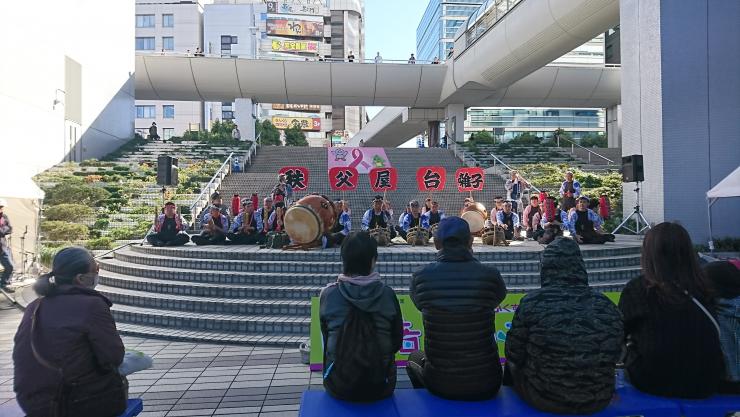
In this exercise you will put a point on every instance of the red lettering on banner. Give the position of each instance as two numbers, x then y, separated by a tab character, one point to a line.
343	178
470	179
296	177
383	179
431	178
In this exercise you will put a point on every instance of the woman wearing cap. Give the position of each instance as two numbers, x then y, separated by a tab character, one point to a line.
67	338
5	230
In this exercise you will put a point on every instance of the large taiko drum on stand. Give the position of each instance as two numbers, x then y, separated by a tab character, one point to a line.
309	219
475	214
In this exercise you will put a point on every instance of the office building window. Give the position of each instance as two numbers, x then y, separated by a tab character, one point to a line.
168	111
144	20
144	43
168	133
168	20
168	43
145	112
227	115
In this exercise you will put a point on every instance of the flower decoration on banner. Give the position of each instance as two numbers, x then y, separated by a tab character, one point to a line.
470	179
383	179
431	178
343	178
296	177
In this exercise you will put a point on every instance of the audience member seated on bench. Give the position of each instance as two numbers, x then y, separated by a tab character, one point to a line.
565	338
457	296
361	325
169	229
215	225
725	278
673	346
68	336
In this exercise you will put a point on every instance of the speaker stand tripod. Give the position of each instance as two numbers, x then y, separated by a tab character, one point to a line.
641	223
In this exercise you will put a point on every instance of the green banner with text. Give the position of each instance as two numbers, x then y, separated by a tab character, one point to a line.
413	330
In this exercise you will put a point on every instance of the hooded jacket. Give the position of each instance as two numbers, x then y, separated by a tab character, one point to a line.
457	296
369	294
75	330
565	338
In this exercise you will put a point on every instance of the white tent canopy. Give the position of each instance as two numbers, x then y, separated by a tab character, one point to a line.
728	187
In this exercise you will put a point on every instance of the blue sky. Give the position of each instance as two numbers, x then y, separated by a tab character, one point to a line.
390	28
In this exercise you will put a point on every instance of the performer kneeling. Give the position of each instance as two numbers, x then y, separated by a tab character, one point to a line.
214	230
509	221
342	225
531	217
169	228
377	217
413	219
585	224
553	222
247	226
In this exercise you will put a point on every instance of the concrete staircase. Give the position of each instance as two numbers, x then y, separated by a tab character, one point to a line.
244	294
261	177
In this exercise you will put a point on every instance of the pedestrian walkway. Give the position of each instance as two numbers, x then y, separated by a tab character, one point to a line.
190	379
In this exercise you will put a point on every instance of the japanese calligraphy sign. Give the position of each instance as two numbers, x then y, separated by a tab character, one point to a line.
296	177
383	179
431	178
470	179
343	178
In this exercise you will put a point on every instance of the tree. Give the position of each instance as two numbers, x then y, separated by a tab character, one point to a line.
294	136
270	135
594	140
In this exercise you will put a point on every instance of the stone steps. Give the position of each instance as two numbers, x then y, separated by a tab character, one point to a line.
333	266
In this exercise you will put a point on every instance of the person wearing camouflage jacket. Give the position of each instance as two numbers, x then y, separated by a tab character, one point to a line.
565	338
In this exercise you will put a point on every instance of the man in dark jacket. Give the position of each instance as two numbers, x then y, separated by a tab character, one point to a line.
358	288
5	255
565	338
457	296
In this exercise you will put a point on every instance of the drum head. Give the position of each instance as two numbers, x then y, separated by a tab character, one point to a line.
475	220
302	225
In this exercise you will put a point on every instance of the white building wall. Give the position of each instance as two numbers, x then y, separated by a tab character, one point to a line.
38	37
187	32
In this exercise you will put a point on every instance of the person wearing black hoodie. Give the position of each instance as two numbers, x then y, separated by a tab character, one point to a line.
357	292
457	297
565	338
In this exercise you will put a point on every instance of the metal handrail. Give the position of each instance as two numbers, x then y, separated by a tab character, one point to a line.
205	192
510	168
572	150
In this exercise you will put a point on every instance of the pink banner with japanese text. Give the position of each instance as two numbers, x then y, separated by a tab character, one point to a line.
362	159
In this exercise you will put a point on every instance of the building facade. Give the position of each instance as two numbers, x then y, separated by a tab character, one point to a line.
167	27
435	36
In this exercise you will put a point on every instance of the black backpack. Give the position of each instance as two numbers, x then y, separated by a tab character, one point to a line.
359	371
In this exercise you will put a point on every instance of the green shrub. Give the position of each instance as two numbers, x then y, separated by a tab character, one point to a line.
130	232
121	168
72	193
102	243
48	253
100	224
68	212
63	231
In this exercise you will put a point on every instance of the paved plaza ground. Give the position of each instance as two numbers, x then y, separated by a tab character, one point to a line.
190	379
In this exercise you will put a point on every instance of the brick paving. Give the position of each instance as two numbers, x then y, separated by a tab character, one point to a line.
194	379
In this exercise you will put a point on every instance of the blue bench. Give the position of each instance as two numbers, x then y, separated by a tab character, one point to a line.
420	403
319	403
717	406
12	409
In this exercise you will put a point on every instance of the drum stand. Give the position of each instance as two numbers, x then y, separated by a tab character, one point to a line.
641	223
